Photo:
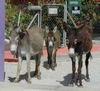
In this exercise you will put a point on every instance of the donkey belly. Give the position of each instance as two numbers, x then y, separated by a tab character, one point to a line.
31	53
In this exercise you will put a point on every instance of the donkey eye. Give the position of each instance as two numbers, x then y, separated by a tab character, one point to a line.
9	38
52	38
17	38
67	41
48	38
75	41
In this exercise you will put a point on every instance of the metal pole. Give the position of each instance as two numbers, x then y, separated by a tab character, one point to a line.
32	21
38	20
65	20
54	2
71	18
40	14
38	2
19	17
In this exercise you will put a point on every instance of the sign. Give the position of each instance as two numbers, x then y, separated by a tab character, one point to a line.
75	10
52	11
73	2
74	6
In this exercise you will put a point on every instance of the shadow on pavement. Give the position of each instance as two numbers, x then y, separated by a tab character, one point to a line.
45	64
21	77
67	79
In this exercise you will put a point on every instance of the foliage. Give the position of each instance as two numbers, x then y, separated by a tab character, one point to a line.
90	14
90	11
94	14
12	13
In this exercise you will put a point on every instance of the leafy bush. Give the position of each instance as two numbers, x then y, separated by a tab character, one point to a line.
90	11
12	13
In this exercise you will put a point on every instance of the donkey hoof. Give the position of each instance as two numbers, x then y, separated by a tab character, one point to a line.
39	77
71	85
48	67
80	85
87	79
29	82
55	64
16	81
53	68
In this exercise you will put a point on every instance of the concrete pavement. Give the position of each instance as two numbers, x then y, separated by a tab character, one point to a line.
35	87
57	80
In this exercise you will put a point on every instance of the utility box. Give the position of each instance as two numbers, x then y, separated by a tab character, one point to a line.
74	6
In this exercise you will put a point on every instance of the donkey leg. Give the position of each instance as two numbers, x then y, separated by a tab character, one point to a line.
28	68
48	62
55	64
37	67
53	60
78	74
79	71
18	69
73	73
87	63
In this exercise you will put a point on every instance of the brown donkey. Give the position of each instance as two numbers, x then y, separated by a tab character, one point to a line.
79	42
28	43
52	44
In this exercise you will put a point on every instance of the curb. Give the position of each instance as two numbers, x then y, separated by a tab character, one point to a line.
61	51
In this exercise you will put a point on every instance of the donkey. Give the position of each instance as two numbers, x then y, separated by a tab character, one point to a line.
28	43
79	42
52	44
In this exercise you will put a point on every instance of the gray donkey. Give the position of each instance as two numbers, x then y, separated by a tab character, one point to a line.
52	44
28	43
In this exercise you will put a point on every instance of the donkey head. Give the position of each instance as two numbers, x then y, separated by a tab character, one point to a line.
14	36
50	38
72	39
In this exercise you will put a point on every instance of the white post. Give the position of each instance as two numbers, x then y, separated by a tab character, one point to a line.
38	20
54	2
38	8
71	19
19	17
32	21
65	20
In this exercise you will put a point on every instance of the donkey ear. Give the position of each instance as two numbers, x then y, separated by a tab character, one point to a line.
18	29
47	29
7	39
10	26
21	35
55	29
